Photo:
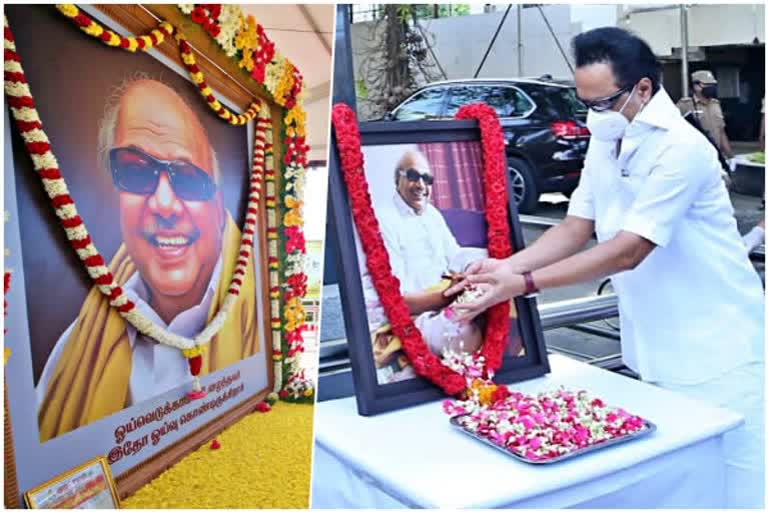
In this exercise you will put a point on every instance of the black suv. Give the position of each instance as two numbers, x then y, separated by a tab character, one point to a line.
543	122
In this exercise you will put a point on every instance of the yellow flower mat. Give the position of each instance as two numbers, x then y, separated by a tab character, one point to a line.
264	462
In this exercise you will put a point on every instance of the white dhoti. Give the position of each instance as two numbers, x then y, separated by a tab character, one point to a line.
740	390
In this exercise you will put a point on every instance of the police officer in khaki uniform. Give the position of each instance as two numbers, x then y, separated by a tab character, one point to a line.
706	107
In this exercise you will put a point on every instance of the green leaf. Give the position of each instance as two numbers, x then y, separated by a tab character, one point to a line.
361	89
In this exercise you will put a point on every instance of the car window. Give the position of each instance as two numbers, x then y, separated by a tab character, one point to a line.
506	101
572	102
463	95
426	103
547	101
558	102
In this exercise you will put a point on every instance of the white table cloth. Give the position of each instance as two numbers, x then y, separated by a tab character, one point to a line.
414	458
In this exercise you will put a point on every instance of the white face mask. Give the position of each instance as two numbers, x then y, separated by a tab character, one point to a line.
609	125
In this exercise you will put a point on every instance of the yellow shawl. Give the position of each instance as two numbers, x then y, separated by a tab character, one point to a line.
91	378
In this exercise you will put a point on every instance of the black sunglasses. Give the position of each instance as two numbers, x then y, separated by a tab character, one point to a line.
414	176
603	104
139	173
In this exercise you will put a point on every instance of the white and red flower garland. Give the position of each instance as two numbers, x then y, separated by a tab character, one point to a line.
6	287
424	362
45	164
246	41
30	126
537	428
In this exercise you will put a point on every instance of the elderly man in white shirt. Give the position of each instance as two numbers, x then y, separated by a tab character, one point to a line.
421	251
691	304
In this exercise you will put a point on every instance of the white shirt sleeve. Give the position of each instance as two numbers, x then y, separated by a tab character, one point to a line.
582	203
670	189
465	256
388	229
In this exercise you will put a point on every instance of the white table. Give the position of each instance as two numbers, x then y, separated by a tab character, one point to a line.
414	458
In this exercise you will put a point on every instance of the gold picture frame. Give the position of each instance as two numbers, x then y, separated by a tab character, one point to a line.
89	482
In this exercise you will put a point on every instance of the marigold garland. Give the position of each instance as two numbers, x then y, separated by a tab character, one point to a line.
93	28
243	39
424	362
190	63
247	43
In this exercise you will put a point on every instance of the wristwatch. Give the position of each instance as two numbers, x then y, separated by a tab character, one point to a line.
530	287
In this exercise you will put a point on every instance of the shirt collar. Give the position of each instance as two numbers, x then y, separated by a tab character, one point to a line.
137	291
403	207
659	112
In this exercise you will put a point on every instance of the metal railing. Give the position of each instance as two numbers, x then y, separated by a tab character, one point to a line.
565	313
572	313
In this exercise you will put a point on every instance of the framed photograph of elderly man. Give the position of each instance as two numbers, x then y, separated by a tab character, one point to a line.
425	181
162	184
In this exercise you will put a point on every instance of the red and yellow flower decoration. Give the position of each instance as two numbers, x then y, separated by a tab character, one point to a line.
246	41
91	27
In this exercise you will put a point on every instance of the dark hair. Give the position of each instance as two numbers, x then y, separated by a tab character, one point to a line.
630	58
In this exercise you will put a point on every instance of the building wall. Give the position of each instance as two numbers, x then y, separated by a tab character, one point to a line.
708	25
729	40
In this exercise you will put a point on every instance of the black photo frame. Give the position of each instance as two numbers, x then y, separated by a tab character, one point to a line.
373	397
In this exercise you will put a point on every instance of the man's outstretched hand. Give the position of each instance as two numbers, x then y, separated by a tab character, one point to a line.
493	280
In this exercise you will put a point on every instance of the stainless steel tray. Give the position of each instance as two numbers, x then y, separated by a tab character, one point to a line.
649	428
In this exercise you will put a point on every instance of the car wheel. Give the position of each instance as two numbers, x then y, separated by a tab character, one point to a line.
523	185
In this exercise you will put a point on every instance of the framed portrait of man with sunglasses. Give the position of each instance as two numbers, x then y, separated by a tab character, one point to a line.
426	187
162	185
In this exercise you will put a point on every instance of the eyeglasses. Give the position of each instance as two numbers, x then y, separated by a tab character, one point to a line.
139	173
414	176
603	104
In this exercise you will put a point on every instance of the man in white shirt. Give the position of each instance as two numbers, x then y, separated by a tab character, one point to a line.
179	249
421	251
691	304
756	235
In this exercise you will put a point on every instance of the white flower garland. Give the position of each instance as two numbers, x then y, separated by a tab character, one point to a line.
230	23
272	252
